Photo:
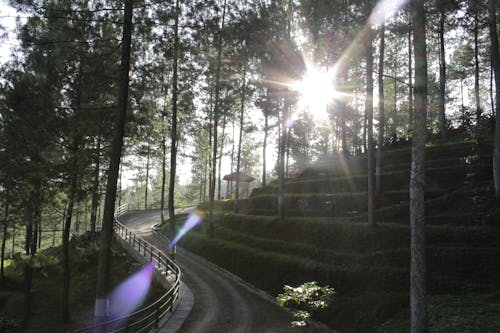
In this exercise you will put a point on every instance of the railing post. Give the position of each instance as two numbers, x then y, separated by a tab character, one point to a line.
157	317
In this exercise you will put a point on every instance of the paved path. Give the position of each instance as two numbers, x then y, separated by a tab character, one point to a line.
222	303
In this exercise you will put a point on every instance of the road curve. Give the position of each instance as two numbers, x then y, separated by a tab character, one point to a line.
221	303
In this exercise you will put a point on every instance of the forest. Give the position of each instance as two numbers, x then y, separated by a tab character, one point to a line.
365	114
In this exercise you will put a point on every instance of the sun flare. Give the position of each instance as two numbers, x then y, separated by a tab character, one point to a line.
316	90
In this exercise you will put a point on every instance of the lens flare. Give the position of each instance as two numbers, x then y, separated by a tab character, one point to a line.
130	294
194	218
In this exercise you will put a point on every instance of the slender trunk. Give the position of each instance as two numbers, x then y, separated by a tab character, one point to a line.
238	158
230	183
492	98
120	185
418	304
65	240
95	190
220	155
442	78
476	68
163	166
264	144
29	251
173	133
147	178
394	129
287	147
381	112
209	155
369	125
216	123
281	161
365	125
495	59
410	79
355	139
103	273
13	240
4	238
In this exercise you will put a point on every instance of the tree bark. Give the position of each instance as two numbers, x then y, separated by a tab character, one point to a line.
476	67
163	165
264	145
418	305
4	238
216	123
147	178
442	78
173	132
495	59
369	127
410	79
219	178
103	273
238	158
381	112
281	162
95	190
65	238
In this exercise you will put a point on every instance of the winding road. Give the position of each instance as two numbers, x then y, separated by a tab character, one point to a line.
222	303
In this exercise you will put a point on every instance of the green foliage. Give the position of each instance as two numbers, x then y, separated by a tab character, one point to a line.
306	298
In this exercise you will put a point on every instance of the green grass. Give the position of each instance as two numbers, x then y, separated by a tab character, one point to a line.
45	314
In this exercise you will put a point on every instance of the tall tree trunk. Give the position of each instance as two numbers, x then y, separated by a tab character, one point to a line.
418	268
492	98
163	166
442	78
476	66
147	178
369	125
173	133
264	144
102	288
95	189
119	185
381	112
4	238
230	183
410	79
238	158
219	178
216	123
495	59
355	139
65	238
394	129
30	250
281	161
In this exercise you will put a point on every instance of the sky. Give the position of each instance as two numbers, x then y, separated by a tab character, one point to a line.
8	21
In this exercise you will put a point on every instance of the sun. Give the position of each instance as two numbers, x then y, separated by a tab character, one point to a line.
316	90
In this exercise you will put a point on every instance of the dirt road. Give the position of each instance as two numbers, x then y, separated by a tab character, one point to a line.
221	303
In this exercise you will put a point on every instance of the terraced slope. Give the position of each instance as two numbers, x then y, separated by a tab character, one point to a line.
325	238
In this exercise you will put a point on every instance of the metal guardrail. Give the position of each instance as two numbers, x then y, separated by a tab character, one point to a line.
149	317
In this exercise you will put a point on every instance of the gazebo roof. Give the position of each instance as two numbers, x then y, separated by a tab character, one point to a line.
239	176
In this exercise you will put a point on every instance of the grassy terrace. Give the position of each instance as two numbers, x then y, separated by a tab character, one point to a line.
369	267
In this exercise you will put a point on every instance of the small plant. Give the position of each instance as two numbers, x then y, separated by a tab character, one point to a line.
305	299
